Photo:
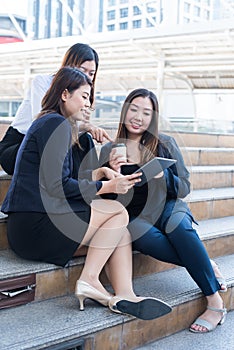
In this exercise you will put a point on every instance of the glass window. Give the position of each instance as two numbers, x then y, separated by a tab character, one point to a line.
124	12
123	26
58	14
206	14
111	28
196	11
120	98
4	109
136	11
123	1
111	2
186	20
150	24
186	7
151	9
136	24
111	15
34	7
15	106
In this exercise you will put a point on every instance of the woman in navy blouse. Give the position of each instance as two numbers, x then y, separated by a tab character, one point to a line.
52	215
161	222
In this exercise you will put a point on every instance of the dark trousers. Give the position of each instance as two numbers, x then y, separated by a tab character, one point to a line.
8	149
173	239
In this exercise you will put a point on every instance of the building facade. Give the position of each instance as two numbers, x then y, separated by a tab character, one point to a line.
132	14
56	18
129	14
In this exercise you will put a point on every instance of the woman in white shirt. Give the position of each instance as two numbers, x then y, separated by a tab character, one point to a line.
81	56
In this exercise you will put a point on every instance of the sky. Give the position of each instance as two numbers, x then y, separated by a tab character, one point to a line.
14	6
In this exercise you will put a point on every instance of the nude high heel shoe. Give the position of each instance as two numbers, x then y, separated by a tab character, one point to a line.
83	290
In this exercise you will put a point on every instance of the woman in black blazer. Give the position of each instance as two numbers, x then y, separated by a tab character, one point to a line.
52	215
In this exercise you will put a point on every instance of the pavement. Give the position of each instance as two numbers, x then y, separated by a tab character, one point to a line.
222	338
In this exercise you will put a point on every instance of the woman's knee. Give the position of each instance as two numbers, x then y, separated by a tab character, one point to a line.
179	221
108	206
110	209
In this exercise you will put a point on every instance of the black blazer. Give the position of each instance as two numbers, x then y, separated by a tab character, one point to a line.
43	179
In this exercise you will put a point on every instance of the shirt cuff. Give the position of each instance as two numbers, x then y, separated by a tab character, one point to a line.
98	185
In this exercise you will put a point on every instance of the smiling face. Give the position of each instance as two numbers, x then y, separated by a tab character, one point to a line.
138	117
75	103
88	68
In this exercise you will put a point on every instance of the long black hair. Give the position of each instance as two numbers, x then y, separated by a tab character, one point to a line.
149	140
69	78
78	54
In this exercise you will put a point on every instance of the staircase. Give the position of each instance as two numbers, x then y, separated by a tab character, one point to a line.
53	321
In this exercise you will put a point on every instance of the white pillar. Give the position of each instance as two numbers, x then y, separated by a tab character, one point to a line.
160	82
27	74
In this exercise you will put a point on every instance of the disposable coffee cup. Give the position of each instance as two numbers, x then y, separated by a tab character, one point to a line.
121	150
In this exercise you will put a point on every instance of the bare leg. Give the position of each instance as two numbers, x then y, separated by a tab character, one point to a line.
107	230
109	239
119	269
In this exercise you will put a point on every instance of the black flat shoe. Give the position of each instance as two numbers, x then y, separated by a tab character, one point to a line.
145	309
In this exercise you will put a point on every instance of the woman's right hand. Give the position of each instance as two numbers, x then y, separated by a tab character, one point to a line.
116	160
121	184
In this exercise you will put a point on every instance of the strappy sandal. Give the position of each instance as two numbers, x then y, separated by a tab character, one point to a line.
209	326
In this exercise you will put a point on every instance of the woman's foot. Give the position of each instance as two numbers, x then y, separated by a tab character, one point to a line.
208	321
214	315
219	276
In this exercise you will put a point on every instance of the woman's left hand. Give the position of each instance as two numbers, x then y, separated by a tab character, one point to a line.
98	134
159	175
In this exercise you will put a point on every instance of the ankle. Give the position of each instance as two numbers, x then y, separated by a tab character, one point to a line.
215	301
89	278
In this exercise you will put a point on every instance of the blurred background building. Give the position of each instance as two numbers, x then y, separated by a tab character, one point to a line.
176	69
56	18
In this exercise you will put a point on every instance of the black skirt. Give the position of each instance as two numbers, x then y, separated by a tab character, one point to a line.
48	238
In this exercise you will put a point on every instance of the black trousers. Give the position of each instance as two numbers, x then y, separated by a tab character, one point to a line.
8	149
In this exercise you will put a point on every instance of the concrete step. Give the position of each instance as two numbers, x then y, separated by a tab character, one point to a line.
208	156
211	176
53	281
186	139
211	203
222	338
46	324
